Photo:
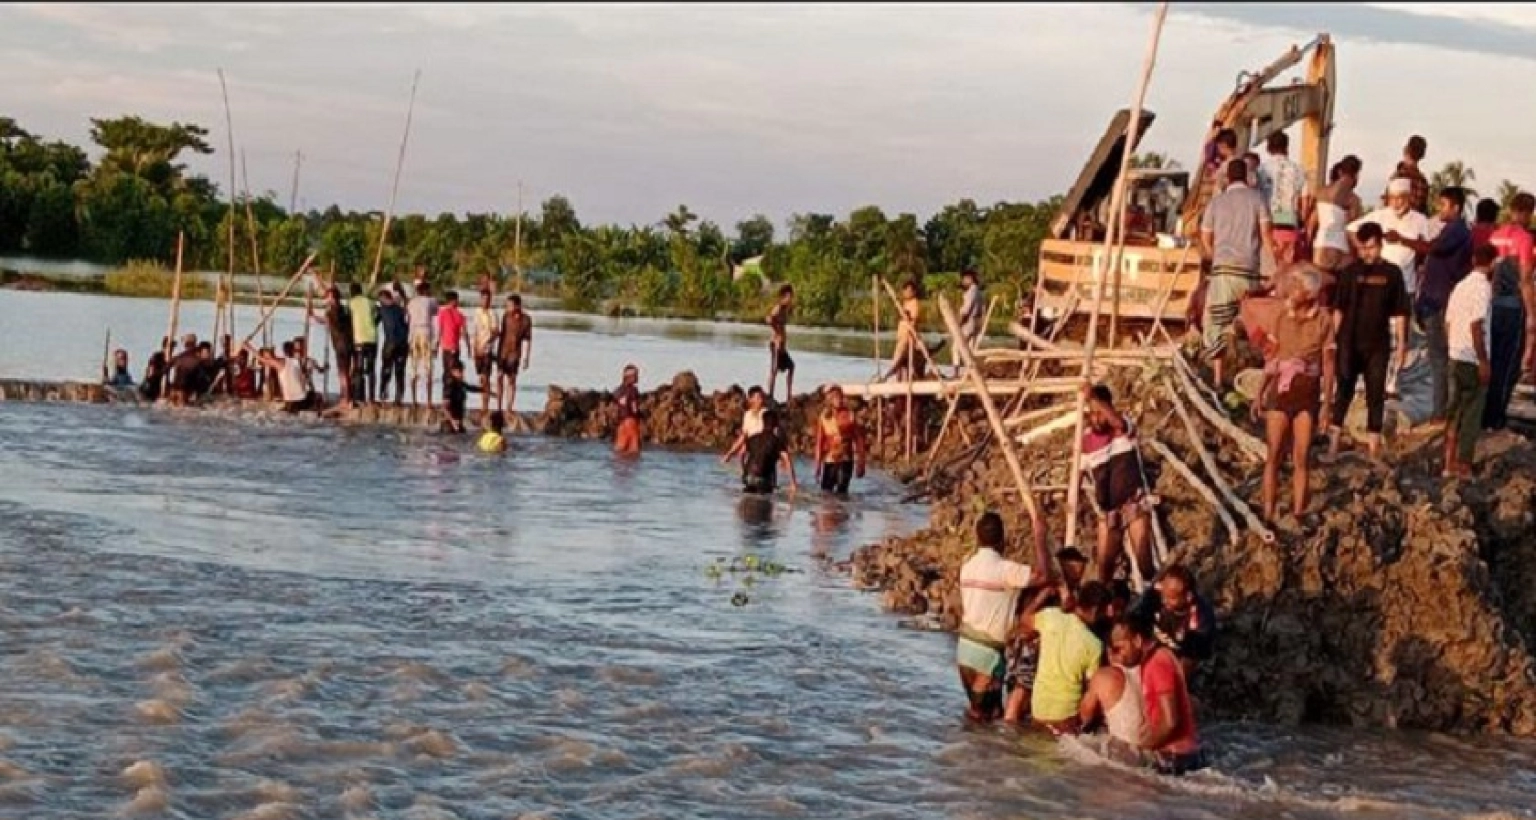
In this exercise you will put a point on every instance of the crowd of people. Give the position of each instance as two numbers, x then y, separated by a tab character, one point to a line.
1044	645
1334	295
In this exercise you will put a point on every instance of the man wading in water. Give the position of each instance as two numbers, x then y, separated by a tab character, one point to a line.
1168	729
989	595
840	448
751	425
626	439
766	453
778	350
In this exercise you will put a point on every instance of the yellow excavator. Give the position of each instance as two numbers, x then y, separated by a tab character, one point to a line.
1160	265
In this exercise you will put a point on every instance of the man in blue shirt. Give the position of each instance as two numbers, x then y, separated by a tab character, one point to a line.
1447	259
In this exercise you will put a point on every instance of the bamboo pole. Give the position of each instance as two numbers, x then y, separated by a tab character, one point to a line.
1117	206
1188	474
517	241
229	122
908	374
394	191
271	310
1253	521
250	224
293	192
874	298
106	352
170	336
1247	443
995	420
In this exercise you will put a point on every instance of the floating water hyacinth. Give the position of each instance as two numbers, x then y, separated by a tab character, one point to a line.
747	569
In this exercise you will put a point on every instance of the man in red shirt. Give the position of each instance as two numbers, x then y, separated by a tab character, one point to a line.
450	331
1168	729
1512	323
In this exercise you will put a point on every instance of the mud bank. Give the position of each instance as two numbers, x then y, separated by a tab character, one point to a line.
678	414
1398	600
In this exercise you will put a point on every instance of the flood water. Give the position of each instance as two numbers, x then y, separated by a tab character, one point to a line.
287	619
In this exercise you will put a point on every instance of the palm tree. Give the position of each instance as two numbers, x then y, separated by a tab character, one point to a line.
1454	174
1506	194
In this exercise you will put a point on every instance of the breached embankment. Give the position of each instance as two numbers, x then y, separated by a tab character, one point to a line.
1398	600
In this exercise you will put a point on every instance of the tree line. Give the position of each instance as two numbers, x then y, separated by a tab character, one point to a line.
132	202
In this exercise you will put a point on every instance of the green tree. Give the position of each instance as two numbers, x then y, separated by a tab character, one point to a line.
753	236
1453	174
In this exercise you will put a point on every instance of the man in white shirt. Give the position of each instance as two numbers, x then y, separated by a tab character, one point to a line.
989	598
1466	331
1398	221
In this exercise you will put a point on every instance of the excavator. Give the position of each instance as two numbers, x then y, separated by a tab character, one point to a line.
1160	264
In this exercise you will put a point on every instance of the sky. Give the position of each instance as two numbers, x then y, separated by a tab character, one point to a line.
631	110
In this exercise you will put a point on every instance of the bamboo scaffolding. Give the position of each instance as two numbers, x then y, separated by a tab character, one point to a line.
1188	474
394	191
1112	251
106	353
980	382
271	310
1249	518
1061	422
1247	443
994	387
874	299
170	335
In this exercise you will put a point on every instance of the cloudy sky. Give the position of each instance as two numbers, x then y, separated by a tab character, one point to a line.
630	110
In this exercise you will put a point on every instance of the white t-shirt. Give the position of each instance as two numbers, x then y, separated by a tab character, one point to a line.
1411	225
290	379
989	592
1283	184
752	423
485	328
420	312
1471	301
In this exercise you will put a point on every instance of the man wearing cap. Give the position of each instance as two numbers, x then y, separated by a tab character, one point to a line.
1398	221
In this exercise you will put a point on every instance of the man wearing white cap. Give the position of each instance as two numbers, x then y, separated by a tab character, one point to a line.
1398	221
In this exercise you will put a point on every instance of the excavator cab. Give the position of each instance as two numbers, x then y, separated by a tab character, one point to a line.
1160	264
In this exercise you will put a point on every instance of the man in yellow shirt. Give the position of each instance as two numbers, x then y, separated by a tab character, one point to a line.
1069	655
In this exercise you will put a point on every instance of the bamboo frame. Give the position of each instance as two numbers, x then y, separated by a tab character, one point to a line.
979	381
250	223
1188	474
1249	518
1113	245
394	191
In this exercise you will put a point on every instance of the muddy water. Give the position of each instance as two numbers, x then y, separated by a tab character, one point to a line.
294	620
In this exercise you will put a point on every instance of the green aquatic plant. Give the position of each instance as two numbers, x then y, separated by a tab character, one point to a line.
747	570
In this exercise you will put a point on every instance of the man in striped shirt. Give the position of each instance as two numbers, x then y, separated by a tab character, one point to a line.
1112	466
989	598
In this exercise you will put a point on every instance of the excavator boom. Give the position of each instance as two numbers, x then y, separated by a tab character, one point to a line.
1255	112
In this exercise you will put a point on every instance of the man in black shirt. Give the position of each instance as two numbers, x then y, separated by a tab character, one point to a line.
766	452
1370	293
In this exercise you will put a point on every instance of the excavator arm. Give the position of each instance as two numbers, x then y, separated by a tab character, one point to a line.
1255	112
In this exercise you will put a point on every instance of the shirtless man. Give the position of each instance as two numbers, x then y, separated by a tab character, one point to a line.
514	348
778	352
626	439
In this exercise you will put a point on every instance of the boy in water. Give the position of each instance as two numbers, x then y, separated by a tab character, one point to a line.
840	447
778	353
493	440
751	425
766	453
626	439
455	395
